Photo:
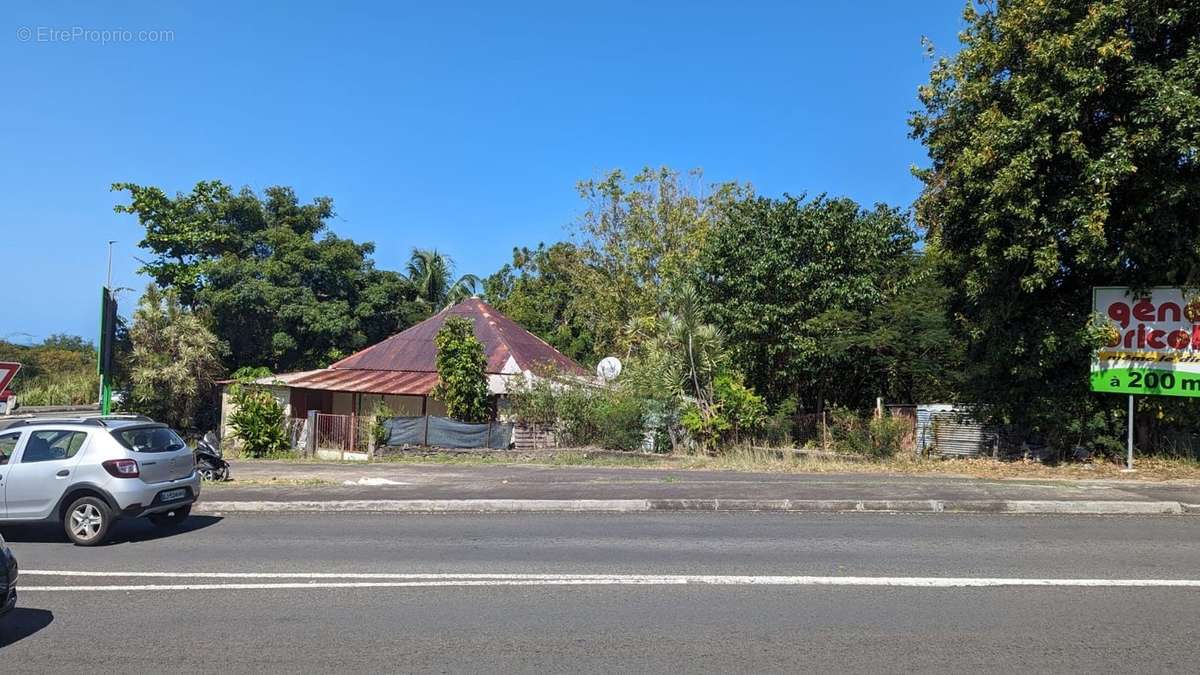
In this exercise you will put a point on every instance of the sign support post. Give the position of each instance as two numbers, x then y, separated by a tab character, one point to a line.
1129	440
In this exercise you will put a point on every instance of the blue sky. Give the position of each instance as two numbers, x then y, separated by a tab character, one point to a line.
460	126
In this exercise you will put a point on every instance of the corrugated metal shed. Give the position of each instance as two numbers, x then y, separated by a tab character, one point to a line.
950	431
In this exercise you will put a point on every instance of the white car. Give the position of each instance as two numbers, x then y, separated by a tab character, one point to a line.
88	472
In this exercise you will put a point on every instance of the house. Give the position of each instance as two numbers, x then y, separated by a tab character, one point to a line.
401	371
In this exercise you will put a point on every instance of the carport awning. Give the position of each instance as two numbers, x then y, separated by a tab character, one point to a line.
394	382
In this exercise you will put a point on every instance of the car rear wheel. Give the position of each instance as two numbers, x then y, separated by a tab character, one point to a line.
87	521
172	518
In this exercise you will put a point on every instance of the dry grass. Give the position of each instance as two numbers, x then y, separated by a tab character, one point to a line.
754	459
780	461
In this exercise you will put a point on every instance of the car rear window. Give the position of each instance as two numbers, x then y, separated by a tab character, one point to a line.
150	439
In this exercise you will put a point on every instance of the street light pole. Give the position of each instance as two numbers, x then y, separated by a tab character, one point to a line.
105	338
108	279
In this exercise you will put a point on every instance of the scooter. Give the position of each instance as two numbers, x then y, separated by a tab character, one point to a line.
209	463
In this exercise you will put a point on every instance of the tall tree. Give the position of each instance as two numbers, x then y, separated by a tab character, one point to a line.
774	268
543	290
432	275
174	361
271	281
1065	146
638	236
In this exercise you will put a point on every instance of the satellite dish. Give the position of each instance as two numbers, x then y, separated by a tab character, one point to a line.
609	368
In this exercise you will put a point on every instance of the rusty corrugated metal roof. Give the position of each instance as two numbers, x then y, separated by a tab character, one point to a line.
414	349
368	381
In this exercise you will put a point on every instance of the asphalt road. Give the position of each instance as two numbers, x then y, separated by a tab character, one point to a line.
440	481
682	592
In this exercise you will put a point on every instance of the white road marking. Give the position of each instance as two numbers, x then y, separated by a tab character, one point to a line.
317	580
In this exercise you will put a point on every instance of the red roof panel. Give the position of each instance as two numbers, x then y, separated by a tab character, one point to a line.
414	349
368	381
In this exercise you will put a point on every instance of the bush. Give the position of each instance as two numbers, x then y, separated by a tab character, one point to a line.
612	418
874	437
736	414
620	421
779	427
533	403
380	414
888	435
257	420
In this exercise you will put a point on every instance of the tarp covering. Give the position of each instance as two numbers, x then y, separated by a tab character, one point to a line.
443	432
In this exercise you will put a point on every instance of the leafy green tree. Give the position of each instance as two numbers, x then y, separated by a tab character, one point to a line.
174	361
1064	140
462	381
268	277
639	236
432	274
774	267
542	289
901	348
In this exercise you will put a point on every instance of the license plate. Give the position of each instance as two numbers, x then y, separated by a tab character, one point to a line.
173	495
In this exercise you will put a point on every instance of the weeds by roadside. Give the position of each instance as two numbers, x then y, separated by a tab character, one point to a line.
757	459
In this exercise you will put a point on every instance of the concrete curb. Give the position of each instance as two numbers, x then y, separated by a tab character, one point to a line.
663	505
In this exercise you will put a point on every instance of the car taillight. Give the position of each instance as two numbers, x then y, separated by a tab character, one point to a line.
122	468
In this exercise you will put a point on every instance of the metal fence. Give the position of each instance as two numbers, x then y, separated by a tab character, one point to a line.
343	436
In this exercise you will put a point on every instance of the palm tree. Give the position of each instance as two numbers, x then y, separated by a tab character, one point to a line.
695	350
686	354
431	273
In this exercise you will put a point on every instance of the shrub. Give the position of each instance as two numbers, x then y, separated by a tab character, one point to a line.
704	425
778	429
620	421
736	412
380	414
743	409
257	420
462	383
888	435
578	416
612	418
873	437
533	403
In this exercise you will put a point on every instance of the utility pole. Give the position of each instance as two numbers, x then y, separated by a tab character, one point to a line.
108	278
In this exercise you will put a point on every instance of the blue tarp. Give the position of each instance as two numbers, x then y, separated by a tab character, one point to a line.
443	432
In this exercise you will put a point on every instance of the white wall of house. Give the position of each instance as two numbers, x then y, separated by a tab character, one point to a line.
281	394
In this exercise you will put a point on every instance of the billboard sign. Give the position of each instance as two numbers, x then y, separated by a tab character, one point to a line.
1154	342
